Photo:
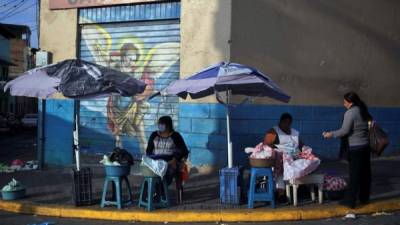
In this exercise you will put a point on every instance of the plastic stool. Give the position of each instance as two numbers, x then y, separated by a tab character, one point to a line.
147	201
261	194
117	181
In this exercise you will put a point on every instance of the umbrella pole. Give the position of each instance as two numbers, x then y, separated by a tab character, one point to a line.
228	129
76	135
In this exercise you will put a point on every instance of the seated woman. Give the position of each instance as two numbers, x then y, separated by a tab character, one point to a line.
168	145
281	135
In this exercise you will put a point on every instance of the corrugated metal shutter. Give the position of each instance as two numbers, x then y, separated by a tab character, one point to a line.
148	51
137	12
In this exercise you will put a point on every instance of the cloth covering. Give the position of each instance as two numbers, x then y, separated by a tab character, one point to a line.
287	165
305	164
261	151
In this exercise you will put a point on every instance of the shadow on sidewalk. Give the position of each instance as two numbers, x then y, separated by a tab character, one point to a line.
54	185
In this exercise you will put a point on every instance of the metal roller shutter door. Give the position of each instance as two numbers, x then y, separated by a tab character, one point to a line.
146	50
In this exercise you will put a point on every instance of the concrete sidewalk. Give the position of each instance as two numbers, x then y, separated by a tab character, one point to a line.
52	189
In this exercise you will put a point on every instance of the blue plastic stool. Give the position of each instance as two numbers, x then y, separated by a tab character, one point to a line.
147	201
117	181
261	194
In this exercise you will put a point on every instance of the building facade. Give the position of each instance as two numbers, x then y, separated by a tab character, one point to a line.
316	51
16	50
5	63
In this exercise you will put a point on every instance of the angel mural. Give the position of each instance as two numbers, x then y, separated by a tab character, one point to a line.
140	57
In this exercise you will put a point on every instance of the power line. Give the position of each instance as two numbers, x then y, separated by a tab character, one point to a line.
4	4
16	8
28	21
13	9
36	13
15	13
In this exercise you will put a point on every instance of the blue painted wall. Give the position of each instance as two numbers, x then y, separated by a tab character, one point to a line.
203	127
58	127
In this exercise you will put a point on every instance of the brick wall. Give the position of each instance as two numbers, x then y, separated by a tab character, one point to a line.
18	56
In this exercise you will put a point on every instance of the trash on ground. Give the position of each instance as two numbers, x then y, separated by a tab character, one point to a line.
382	214
4	168
44	223
31	165
350	216
17	162
19	165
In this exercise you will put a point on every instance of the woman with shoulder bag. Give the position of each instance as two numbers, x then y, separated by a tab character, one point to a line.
355	128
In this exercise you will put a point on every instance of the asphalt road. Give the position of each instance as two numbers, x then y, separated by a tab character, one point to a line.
17	219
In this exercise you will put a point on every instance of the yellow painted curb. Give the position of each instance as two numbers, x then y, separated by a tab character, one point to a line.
234	215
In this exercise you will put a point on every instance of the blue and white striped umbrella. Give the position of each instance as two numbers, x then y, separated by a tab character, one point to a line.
233	77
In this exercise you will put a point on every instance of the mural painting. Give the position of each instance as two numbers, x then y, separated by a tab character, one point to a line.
149	51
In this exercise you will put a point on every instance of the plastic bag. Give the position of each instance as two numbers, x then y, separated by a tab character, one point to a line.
261	151
107	162
13	185
304	165
158	167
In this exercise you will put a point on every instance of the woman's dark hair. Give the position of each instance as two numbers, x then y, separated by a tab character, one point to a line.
353	97
167	121
286	116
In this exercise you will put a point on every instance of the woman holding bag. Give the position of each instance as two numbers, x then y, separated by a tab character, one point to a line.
355	129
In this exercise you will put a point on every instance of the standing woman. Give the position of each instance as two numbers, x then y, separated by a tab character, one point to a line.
355	129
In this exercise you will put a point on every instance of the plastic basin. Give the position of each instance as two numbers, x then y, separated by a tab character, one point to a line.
13	195
262	163
117	171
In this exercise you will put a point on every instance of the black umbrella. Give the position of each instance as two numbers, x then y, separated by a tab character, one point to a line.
75	79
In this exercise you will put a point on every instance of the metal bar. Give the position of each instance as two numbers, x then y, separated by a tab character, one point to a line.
41	138
228	129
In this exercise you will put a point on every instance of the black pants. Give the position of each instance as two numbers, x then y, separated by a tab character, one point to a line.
360	175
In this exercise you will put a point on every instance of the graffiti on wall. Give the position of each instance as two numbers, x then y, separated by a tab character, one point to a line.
148	52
